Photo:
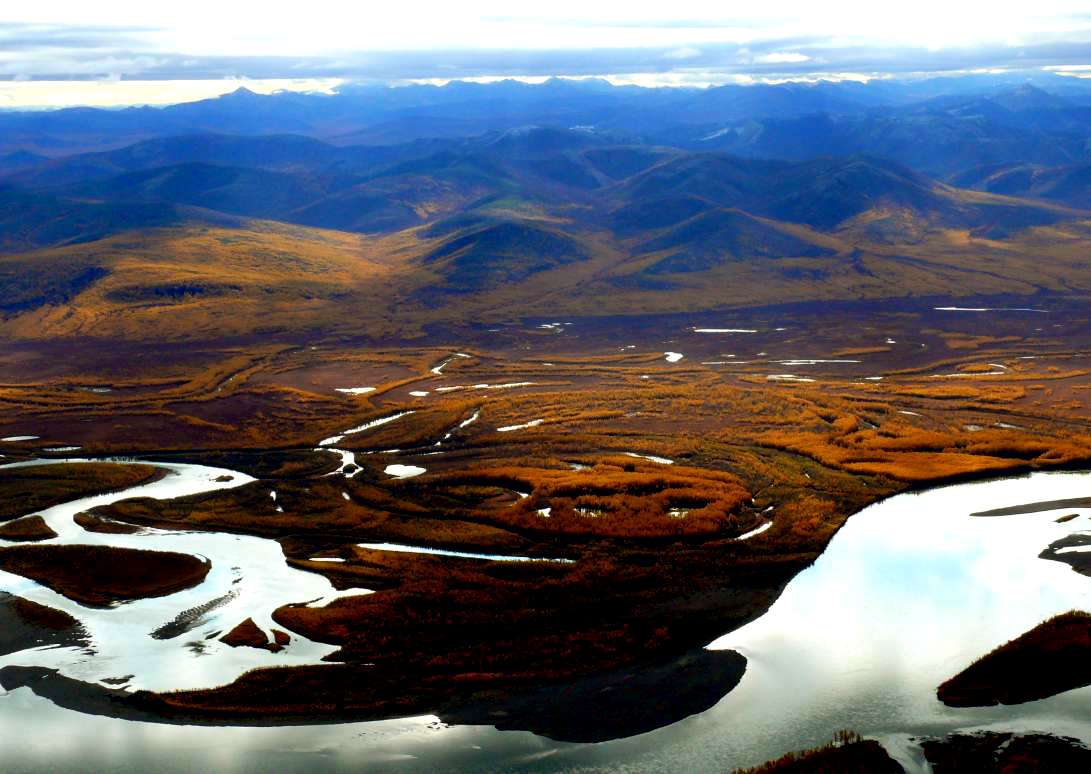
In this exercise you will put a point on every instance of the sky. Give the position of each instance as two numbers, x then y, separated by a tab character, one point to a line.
113	52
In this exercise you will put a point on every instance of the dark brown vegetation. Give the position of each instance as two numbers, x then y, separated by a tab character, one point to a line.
94	523
1006	753
658	568
848	753
248	634
101	575
658	571
225	338
1080	561
618	703
26	624
1052	657
34	488
29	528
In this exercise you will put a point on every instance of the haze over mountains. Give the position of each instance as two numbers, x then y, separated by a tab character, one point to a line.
469	195
1012	115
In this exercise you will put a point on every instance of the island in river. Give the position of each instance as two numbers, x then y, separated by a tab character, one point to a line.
1052	657
96	575
683	495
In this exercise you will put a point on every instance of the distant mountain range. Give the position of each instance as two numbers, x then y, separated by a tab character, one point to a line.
661	198
597	183
940	126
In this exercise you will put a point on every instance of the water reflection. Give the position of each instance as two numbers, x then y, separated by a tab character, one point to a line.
908	593
248	578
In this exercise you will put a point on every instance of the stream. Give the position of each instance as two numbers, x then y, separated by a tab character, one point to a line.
908	593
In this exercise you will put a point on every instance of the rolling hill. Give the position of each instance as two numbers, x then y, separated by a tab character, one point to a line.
720	236
29	220
252	192
214	235
1069	185
495	254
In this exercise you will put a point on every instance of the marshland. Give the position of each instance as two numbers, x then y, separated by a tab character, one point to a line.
544	424
670	508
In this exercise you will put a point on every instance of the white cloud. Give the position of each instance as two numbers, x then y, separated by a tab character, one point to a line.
684	52
685	42
111	92
782	57
250	28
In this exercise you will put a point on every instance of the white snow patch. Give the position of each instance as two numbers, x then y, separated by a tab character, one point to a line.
403	471
717	133
756	531
651	457
988	309
967	375
397	548
505	386
366	426
438	370
509	428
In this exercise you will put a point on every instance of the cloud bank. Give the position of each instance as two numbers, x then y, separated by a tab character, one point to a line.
59	41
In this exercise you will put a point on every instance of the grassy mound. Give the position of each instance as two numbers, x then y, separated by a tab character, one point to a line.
102	575
1050	658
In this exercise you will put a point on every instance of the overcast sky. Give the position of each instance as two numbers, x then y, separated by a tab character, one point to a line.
190	48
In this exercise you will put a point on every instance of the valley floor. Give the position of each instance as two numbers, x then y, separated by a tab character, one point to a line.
670	474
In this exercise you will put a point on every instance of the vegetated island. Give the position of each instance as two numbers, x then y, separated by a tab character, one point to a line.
25	624
848	753
687	492
98	576
1005	752
33	488
1080	561
1052	657
29	529
249	634
95	523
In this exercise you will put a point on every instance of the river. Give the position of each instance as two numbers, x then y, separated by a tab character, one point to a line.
909	592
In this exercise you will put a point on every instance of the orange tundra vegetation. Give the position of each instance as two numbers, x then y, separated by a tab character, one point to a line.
34	488
657	565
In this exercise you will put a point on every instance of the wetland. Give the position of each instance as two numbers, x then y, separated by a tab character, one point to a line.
671	545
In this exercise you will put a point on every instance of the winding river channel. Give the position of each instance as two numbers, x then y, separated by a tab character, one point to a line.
908	593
